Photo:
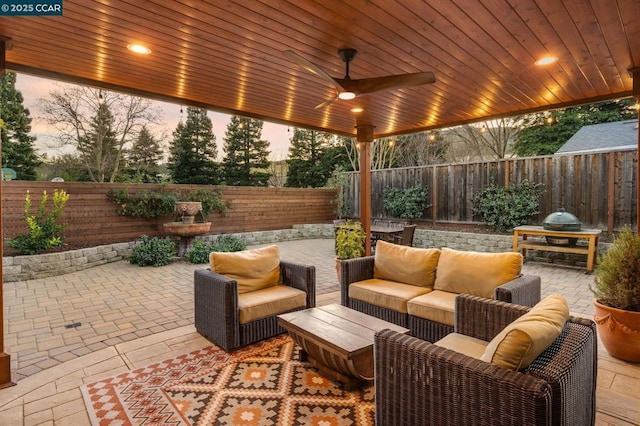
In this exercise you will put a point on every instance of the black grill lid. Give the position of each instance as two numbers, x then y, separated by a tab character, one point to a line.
561	221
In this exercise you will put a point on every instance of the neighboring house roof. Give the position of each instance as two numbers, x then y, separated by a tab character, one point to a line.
613	136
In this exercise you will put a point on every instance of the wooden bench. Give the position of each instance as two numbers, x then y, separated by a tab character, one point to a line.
591	249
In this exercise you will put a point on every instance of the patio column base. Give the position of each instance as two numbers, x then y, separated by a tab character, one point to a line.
5	371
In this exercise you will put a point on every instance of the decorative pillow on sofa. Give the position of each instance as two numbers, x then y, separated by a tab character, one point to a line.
475	273
523	340
252	269
404	264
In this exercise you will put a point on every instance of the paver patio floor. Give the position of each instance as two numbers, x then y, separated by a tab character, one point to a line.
132	316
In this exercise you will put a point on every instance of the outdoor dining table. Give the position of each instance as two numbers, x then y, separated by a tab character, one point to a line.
385	233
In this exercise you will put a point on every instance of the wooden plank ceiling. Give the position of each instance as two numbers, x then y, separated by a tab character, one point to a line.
227	55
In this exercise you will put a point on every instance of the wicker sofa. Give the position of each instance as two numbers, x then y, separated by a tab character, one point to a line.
419	383
235	306
416	288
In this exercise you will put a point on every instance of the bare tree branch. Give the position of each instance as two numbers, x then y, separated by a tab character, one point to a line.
70	109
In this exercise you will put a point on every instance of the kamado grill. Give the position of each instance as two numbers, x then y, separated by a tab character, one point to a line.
561	221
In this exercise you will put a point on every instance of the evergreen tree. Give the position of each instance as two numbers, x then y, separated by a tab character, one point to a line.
245	163
98	149
144	157
538	137
308	167
193	150
18	152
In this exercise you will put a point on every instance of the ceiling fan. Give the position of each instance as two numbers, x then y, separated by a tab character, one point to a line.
348	88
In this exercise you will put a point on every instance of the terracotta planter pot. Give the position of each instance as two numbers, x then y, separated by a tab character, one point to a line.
619	331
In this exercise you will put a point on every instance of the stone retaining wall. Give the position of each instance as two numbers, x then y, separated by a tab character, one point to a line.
21	268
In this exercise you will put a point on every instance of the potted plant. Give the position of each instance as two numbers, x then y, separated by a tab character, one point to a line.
617	297
350	239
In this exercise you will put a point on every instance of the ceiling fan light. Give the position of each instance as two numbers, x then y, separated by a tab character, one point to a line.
345	96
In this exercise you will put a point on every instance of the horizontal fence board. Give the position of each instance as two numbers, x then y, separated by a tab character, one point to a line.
92	217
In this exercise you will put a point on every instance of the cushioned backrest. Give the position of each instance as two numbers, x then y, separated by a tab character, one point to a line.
523	340
252	269
475	273
406	265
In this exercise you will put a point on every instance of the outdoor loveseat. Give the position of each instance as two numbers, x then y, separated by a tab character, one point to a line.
458	381
238	298
416	288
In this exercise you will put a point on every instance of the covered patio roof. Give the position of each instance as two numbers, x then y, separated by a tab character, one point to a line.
228	56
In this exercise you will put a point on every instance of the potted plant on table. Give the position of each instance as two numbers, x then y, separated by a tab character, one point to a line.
350	239
617	297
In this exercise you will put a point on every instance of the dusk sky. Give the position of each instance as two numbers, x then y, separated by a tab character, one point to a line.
33	88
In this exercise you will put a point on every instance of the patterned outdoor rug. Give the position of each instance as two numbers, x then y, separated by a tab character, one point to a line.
264	384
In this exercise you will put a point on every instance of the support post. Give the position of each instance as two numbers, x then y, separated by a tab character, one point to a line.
5	358
365	137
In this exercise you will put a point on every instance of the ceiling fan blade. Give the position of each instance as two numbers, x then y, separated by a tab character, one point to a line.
389	82
310	66
326	103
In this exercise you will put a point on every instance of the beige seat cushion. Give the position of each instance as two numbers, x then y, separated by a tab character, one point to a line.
438	306
252	269
386	294
463	344
269	301
475	273
523	340
406	265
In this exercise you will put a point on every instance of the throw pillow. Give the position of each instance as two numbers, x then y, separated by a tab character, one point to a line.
252	269
475	273
523	340
404	264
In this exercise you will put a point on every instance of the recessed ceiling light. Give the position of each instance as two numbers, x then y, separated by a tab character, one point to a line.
357	109
546	60
139	48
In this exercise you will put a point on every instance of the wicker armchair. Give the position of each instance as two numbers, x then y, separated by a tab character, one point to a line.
419	383
524	290
217	313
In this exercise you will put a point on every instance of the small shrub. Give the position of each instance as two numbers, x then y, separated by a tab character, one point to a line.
617	275
350	239
228	243
44	231
409	203
504	208
153	251
200	250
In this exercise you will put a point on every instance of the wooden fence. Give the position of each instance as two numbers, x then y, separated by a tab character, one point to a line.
600	188
91	217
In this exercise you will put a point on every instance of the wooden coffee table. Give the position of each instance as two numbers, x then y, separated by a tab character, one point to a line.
337	340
